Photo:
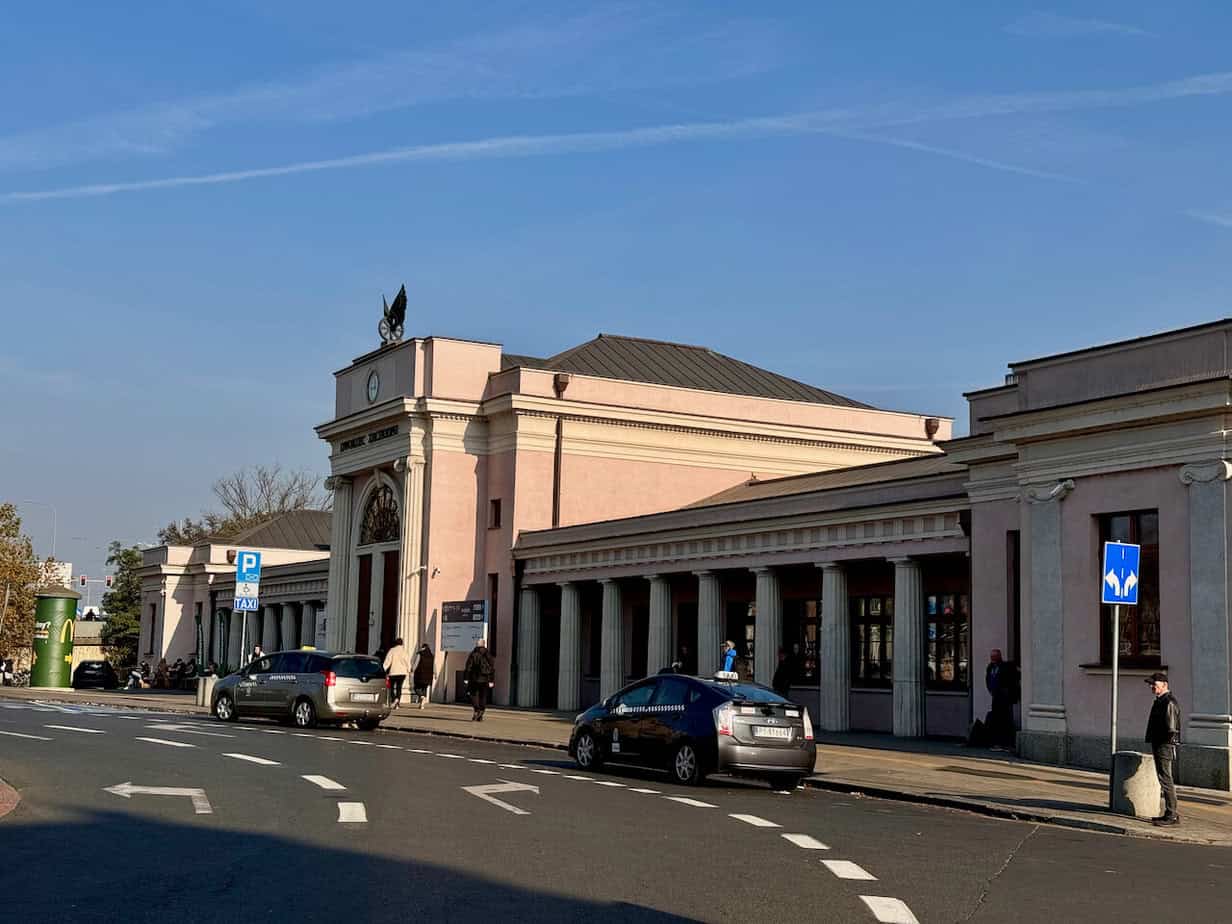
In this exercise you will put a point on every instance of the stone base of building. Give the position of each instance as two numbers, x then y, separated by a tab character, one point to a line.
1197	765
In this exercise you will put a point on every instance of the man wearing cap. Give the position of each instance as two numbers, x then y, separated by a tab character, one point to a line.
1163	734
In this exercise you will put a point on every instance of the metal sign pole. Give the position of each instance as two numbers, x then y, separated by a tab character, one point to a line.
1116	652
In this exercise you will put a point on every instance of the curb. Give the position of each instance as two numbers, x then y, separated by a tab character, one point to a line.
9	797
523	742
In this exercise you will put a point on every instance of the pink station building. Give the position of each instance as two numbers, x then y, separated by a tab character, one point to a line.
629	503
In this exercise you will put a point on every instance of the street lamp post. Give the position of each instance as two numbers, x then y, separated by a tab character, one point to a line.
53	521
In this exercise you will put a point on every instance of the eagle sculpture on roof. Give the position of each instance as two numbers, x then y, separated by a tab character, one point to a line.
390	326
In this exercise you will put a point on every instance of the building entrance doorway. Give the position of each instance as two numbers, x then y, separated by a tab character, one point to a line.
363	607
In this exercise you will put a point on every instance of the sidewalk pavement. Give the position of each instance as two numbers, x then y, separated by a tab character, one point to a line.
930	772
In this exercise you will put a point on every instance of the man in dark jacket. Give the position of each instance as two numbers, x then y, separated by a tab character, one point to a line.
1163	734
1001	679
480	674
783	675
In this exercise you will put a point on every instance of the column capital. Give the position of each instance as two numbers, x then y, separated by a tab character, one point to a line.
705	572
654	578
903	561
1045	493
1205	472
606	580
334	482
762	569
563	584
829	565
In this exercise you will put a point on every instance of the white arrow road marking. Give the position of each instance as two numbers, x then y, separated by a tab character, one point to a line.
323	781
255	760
84	731
889	910
484	792
31	737
201	805
845	869
352	812
170	744
755	821
803	840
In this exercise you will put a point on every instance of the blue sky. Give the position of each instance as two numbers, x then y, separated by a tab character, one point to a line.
202	203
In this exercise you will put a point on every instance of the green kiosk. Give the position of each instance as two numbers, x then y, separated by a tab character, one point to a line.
53	637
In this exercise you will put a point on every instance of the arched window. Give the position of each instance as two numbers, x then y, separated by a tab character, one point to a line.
380	518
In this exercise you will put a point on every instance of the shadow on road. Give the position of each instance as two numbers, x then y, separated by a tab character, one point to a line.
129	868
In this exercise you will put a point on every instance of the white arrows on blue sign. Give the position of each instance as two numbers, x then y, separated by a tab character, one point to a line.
1120	573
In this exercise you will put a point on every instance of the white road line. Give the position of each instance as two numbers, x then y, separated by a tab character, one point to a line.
31	737
418	751
170	744
755	821
546	772
609	783
845	869
452	756
181	730
889	910
352	812
301	735
649	792
511	767
574	776
805	841
323	781
84	731
274	731
364	744
480	760
255	760
684	800
391	747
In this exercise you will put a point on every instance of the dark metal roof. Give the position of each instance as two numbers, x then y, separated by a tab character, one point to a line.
679	365
296	529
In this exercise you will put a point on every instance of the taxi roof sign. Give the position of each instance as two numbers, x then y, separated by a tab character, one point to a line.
726	675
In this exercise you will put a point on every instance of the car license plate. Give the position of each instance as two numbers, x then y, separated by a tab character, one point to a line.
769	731
363	697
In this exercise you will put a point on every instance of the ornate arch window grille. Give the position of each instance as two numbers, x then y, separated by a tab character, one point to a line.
380	518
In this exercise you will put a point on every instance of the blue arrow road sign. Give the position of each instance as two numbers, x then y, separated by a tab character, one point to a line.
1121	577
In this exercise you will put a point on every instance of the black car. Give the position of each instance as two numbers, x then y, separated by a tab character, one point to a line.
96	675
692	726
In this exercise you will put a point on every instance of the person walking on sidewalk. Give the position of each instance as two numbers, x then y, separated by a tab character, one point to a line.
397	665
1163	734
423	672
1001	679
480	673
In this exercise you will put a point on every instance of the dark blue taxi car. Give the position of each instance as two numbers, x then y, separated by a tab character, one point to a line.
692	726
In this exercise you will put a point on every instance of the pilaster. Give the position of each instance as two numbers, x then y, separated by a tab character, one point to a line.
768	629
340	623
611	661
835	655
909	702
529	619
709	622
659	643
568	688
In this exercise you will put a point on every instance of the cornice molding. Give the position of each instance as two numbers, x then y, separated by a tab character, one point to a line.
1046	494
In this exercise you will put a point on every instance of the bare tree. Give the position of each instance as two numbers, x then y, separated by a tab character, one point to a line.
248	498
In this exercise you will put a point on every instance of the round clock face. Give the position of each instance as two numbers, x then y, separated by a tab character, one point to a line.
374	385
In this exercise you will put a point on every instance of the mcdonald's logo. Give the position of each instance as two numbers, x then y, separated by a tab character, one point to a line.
66	631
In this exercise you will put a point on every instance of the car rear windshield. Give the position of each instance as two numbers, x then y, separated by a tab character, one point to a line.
358	668
751	693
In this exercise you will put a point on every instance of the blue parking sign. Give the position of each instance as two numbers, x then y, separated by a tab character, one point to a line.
247	567
1120	577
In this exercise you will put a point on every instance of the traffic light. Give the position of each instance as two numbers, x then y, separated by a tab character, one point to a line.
107	580
83	580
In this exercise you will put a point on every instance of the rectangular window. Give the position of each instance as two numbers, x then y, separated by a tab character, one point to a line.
800	638
153	623
872	641
949	641
493	610
494	513
1139	624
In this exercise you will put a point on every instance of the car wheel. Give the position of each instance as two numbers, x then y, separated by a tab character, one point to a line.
304	714
368	724
784	781
586	752
686	765
224	708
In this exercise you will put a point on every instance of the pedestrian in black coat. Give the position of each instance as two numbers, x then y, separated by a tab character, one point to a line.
1163	734
480	674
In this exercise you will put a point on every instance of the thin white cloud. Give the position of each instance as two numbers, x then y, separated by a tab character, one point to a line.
1040	24
606	50
1222	219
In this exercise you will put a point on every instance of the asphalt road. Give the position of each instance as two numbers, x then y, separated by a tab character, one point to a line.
386	829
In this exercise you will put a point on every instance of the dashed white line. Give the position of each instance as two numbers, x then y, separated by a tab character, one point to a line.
323	781
452	756
330	738
755	821
649	792
889	910
390	747
364	744
418	751
845	869
511	767
480	760
274	731
170	744
85	731
31	737
352	813
255	760
805	841
574	776
301	735
609	783
684	800
546	772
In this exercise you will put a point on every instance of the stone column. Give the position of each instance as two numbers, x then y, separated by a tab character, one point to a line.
835	655
1044	736
1206	758
269	628
908	649
289	625
612	656
768	629
709	622
341	624
234	656
254	634
529	620
410	616
659	643
568	688
307	623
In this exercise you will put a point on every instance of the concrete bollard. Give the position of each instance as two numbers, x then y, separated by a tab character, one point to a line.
1134	785
205	689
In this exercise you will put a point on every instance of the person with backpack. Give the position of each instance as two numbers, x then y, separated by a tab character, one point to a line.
480	674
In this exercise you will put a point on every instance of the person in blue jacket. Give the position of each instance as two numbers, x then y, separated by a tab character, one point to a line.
729	655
